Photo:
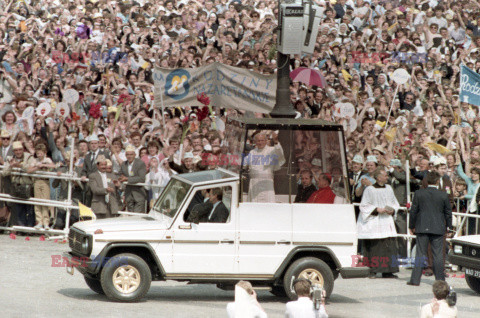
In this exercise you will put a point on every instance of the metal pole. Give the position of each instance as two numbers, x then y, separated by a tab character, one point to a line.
163	108
391	105
69	193
283	107
409	239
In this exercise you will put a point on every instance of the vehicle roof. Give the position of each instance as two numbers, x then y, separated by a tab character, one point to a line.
207	177
285	123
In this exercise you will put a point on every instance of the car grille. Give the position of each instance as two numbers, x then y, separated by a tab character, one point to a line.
471	251
75	239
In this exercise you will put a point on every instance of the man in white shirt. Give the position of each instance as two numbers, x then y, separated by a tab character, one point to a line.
102	189
178	27
438	19
304	307
439	307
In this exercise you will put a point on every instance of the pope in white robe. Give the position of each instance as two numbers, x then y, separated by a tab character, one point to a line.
263	161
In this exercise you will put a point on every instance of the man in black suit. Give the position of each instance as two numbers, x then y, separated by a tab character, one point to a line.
200	212
353	177
89	164
430	219
306	188
219	213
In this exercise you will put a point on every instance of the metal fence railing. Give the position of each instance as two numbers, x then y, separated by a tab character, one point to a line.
66	205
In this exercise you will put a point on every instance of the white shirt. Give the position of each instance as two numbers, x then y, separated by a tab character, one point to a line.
444	311
5	151
130	166
105	184
213	209
231	310
95	155
303	308
104	179
441	22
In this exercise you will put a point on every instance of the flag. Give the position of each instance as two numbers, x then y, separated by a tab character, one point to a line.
322	63
85	211
469	86
390	134
346	75
437	148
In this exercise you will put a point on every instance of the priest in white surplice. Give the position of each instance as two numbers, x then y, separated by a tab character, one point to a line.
262	161
376	228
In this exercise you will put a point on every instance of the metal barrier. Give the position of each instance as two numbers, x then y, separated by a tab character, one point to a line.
465	217
66	205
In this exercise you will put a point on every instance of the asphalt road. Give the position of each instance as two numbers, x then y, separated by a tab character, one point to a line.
31	287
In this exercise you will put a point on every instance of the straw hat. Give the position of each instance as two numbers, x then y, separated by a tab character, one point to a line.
17	145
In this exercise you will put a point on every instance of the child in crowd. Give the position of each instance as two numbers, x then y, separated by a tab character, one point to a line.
460	192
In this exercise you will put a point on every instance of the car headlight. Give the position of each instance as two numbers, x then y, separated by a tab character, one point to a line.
85	244
457	249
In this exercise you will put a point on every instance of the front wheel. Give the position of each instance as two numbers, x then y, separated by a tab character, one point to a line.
473	283
311	268
126	278
94	285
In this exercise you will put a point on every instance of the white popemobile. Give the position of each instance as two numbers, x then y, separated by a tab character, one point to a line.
268	243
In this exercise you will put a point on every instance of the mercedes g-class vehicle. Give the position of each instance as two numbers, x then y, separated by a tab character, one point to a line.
466	253
215	226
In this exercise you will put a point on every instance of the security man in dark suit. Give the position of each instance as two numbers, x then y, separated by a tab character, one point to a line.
211	211
430	219
219	212
445	185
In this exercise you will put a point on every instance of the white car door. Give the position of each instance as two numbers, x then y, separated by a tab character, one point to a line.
265	237
205	248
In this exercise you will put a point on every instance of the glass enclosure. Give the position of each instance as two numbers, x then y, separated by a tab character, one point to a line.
289	163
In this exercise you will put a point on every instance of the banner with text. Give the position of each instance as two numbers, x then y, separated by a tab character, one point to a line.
226	86
469	86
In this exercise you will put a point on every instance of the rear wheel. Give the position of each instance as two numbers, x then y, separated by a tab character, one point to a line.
311	268
94	285
126	277
473	283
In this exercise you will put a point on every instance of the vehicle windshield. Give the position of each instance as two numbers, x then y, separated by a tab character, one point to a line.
171	198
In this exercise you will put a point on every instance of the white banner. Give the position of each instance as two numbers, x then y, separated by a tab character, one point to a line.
226	86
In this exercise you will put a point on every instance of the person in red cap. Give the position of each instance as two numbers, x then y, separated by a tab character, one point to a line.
324	194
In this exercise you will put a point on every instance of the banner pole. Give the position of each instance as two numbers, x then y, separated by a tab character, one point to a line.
70	186
409	239
391	106
163	107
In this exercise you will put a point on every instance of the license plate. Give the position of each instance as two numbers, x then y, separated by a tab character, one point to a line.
472	272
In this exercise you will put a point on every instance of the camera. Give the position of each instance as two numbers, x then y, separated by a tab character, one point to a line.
451	297
1	95
317	296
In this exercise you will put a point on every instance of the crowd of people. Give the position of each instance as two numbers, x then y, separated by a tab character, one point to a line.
82	70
